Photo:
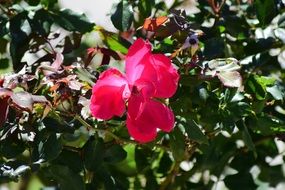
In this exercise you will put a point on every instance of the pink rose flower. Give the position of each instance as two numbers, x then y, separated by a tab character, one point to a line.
148	76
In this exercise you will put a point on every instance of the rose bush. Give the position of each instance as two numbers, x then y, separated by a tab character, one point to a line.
173	100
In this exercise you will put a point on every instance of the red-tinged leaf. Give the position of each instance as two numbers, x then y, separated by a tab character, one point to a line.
26	100
111	53
107	54
74	85
58	61
39	99
1	82
151	24
90	51
23	100
4	108
54	87
230	79
106	59
69	81
54	67
5	92
165	30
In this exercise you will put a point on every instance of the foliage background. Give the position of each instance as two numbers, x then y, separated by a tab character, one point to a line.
225	137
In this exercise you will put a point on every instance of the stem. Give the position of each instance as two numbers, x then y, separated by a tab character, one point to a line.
189	151
4	10
48	42
170	177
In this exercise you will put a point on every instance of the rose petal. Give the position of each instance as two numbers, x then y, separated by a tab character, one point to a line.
109	94
144	117
142	65
167	76
145	88
138	64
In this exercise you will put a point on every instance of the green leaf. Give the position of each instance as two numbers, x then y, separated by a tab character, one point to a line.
194	132
72	21
123	16
165	164
246	135
267	125
265	81
214	47
69	158
50	148
128	165
277	91
281	21
33	2
177	144
48	3
266	11
247	139
244	181
203	93
3	45
41	22
105	177
113	41
141	159
151	182
93	151
3	29
20	31
4	63
84	75
145	8
67	179
271	174
115	154
257	85
11	148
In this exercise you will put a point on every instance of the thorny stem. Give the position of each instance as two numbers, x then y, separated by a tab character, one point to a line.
117	138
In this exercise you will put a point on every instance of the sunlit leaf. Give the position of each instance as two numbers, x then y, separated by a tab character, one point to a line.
123	16
230	79
151	24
